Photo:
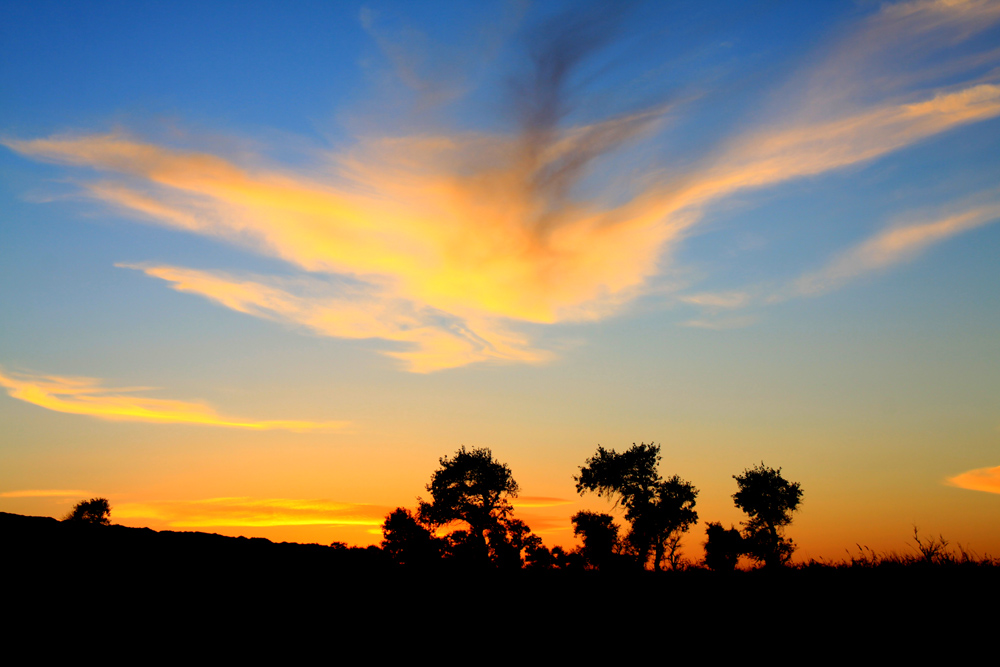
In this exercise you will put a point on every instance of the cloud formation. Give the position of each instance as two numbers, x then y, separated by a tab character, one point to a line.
86	396
980	479
253	512
442	243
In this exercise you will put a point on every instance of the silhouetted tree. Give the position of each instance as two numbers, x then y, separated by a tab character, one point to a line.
659	510
95	510
511	541
663	522
768	499
599	533
723	547
538	557
407	542
570	561
474	488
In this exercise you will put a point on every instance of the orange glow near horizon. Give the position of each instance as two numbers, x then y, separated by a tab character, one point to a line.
252	513
45	493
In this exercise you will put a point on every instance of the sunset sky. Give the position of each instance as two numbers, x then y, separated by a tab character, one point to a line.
262	264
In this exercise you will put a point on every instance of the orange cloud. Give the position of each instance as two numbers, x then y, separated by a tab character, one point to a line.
253	512
86	396
454	222
981	479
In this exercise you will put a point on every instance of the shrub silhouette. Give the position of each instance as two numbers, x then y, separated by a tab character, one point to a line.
95	511
599	533
723	547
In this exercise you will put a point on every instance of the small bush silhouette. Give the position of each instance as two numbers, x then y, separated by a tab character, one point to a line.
407	542
95	511
723	547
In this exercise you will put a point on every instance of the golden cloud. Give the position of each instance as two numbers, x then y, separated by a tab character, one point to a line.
86	396
980	479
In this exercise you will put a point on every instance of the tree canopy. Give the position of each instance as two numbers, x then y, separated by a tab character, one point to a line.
659	510
96	511
768	500
474	488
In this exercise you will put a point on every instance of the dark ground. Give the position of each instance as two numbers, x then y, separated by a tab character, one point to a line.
188	582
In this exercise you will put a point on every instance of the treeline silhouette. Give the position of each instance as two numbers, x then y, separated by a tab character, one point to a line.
472	493
461	562
466	524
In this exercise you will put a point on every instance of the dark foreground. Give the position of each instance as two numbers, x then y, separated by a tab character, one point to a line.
211	583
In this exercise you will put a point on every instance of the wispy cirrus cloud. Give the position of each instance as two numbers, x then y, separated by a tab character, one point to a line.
252	512
720	323
87	396
980	479
891	246
733	299
896	244
442	243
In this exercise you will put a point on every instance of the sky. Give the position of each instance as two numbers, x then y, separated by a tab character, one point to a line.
263	264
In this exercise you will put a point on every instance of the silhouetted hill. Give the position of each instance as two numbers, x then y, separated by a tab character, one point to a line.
37	543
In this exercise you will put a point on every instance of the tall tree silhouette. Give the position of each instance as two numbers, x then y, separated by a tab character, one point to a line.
474	488
95	511
768	500
659	510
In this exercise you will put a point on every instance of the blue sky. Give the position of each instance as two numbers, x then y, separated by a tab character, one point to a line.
291	252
